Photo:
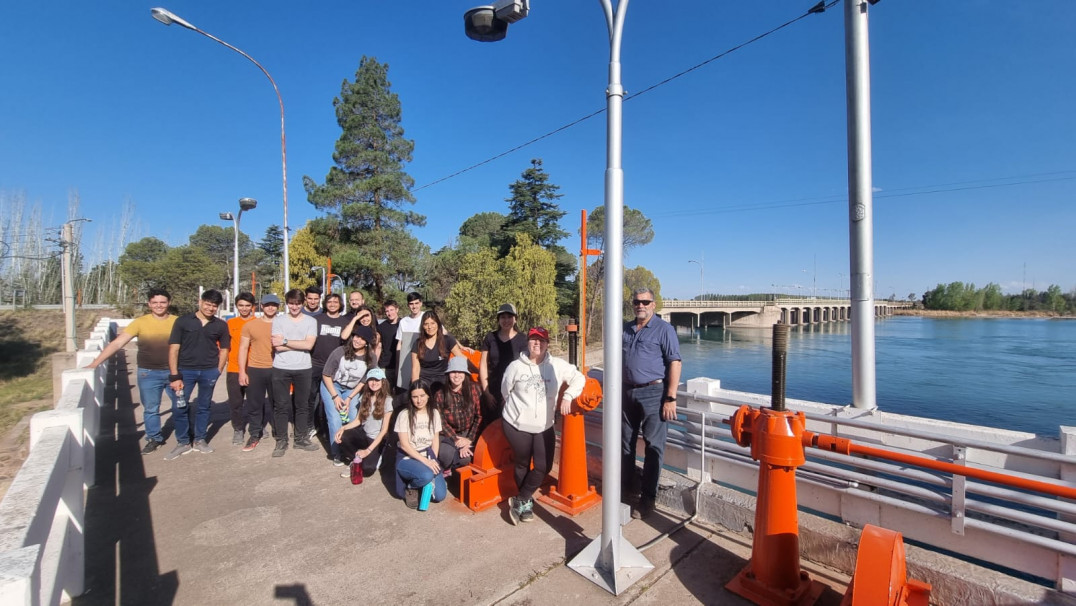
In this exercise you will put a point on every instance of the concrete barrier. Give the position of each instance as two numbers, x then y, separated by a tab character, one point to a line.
42	540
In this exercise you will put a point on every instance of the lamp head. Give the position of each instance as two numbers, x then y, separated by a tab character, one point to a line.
247	203
489	23
227	217
167	17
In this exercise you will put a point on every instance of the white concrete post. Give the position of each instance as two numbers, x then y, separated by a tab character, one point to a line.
18	569
1066	565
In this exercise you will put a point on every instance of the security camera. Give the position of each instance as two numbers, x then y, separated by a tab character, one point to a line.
489	23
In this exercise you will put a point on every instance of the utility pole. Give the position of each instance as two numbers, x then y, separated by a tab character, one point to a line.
67	243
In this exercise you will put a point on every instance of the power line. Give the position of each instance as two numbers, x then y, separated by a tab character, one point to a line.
897	193
817	8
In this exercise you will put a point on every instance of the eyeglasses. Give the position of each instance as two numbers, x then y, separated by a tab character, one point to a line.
641	302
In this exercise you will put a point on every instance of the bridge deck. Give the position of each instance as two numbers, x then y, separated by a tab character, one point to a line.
243	528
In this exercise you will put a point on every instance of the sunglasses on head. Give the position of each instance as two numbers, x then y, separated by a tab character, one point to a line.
641	301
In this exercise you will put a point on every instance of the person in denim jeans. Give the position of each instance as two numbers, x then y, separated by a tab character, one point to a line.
417	428
197	355
152	330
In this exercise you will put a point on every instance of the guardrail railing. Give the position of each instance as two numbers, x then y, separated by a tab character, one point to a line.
1023	531
42	540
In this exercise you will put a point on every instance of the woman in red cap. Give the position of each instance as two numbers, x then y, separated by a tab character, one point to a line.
530	388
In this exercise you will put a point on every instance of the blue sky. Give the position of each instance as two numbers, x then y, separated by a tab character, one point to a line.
741	163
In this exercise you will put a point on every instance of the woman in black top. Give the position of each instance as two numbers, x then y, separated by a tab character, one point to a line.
499	349
432	349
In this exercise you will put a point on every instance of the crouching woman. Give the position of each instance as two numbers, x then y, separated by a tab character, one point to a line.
418	426
363	439
531	386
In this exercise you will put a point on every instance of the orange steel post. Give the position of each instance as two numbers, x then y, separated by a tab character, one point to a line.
773	574
584	252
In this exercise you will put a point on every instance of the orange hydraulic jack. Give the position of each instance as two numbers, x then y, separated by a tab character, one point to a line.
488	480
573	494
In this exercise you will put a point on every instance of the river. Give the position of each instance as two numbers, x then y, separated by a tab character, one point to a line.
1012	373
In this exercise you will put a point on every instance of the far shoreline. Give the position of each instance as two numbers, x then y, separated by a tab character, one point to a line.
991	313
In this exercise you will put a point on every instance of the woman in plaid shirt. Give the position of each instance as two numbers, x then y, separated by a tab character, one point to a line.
458	401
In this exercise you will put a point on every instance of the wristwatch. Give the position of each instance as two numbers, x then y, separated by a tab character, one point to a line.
668	399
285	343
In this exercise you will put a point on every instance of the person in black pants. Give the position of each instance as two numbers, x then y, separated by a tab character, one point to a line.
364	438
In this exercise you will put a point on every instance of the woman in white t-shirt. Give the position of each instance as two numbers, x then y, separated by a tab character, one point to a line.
363	439
417	427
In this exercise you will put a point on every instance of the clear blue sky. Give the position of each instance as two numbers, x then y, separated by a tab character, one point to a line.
741	162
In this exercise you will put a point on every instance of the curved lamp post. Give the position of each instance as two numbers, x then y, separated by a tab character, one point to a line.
702	279
168	18
244	204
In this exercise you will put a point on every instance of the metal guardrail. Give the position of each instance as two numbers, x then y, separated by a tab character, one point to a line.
1022	531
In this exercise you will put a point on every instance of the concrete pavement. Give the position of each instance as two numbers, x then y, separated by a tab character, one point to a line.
244	528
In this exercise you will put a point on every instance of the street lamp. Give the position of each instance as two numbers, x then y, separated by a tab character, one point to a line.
324	274
244	204
609	561
702	280
168	18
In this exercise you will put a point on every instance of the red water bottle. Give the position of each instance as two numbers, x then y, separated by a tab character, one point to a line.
356	471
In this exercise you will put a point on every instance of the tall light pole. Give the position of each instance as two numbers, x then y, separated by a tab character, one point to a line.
67	282
168	18
702	279
244	204
609	561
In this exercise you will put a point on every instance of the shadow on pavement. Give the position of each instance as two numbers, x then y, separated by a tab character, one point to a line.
121	553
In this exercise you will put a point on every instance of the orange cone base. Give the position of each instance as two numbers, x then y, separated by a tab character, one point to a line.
745	585
571	504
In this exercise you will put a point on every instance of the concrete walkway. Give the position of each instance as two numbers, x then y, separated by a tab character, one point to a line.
243	528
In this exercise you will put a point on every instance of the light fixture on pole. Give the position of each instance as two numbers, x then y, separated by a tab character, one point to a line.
244	204
702	279
168	18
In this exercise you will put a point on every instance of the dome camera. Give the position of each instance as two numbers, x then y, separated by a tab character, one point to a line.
489	23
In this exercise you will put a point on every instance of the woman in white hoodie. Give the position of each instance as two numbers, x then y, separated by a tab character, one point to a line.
531	386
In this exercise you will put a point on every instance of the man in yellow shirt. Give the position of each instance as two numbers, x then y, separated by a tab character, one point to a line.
152	331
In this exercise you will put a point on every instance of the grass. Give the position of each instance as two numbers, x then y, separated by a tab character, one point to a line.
28	338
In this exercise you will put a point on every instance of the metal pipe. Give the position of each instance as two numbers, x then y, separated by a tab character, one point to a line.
780	357
860	202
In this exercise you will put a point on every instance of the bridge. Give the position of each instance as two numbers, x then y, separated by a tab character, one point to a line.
764	313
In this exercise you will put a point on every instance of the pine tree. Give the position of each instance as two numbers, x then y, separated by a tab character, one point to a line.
367	191
533	208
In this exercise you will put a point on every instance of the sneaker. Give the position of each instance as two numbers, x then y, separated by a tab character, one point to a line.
237	437
151	445
281	446
178	451
306	445
251	444
337	461
411	498
515	510
313	431
643	511
203	447
527	513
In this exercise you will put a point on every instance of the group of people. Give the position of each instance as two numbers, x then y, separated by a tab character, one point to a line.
348	375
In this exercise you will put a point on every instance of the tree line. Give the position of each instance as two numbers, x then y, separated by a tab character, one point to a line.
366	227
958	296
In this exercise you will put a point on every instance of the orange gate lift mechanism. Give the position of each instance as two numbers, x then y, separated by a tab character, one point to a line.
773	574
573	494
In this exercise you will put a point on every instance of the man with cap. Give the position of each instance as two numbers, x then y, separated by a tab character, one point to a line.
256	370
651	377
499	349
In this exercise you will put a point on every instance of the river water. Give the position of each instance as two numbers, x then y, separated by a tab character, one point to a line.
1013	373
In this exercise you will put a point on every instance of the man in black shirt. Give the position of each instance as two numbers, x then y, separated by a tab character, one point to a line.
387	330
197	354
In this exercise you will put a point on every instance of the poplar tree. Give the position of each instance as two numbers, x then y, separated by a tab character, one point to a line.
366	194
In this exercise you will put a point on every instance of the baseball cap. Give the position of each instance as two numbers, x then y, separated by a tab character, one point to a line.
538	333
507	308
271	300
376	373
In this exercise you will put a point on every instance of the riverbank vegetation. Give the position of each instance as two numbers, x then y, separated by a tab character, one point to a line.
961	297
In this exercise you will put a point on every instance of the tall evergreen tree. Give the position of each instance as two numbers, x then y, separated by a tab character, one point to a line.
367	192
533	208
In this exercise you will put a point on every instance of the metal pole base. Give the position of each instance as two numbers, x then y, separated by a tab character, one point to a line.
631	567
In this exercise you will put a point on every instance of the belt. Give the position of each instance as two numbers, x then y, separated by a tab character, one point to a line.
638	385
